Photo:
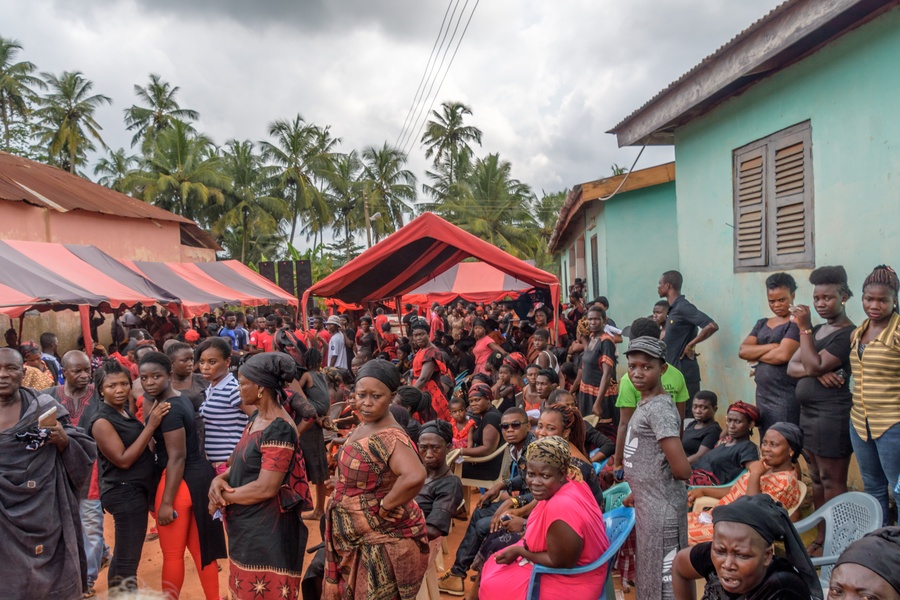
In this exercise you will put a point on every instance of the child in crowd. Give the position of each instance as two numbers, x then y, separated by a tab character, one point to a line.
462	424
703	433
656	466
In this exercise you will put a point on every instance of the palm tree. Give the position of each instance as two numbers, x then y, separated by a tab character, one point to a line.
302	154
497	209
247	208
546	212
16	81
446	138
114	168
67	118
345	194
181	173
160	110
389	188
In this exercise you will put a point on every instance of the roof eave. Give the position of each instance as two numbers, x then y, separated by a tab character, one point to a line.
788	33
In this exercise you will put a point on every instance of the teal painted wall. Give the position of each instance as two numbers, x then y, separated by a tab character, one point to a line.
637	240
849	91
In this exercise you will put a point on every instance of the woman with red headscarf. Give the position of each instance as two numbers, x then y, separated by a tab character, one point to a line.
733	453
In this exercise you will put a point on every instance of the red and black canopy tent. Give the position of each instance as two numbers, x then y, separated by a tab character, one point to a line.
420	251
46	276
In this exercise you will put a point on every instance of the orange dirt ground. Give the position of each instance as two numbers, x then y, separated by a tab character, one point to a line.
150	570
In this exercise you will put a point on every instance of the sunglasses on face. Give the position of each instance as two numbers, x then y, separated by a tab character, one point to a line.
514	425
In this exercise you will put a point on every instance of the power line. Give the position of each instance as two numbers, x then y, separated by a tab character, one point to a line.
441	84
424	106
421	86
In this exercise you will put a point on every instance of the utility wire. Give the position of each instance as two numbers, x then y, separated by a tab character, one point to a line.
425	74
415	134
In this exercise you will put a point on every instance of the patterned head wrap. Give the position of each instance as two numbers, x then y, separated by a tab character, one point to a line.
515	361
553	451
333	376
481	390
749	410
28	348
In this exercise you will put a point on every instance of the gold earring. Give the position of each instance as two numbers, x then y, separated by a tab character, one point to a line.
259	395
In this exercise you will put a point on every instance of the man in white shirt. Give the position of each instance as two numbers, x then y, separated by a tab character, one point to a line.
337	349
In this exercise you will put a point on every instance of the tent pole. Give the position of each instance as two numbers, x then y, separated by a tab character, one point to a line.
304	301
84	312
397	300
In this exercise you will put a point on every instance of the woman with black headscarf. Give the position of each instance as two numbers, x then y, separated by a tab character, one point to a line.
427	367
774	475
375	538
264	490
741	563
869	567
418	404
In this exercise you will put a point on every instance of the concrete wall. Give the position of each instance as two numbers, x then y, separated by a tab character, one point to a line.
636	241
120	237
848	91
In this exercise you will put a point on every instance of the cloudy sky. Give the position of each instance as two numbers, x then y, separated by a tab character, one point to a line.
545	79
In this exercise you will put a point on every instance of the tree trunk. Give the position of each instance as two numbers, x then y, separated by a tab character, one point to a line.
293	225
244	241
5	126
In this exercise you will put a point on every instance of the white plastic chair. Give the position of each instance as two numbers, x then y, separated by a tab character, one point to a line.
847	518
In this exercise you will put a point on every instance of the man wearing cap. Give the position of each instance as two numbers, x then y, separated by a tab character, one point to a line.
337	349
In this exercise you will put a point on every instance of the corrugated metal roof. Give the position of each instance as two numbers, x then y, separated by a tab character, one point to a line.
23	180
724	48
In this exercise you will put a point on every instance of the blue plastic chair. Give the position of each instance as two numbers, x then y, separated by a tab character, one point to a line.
613	497
619	523
847	518
599	466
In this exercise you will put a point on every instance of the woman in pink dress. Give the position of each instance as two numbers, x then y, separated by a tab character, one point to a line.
485	345
564	530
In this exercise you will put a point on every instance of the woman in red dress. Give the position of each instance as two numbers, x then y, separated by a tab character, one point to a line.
428	366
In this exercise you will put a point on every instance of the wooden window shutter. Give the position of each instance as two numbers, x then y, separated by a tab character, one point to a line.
790	225
750	248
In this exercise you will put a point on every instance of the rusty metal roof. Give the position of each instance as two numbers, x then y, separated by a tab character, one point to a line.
23	180
37	184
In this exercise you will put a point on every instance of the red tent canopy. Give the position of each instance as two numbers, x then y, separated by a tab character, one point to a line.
425	248
471	281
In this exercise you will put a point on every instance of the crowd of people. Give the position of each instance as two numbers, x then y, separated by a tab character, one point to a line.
225	435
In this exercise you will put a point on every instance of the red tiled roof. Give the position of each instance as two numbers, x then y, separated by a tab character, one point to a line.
23	180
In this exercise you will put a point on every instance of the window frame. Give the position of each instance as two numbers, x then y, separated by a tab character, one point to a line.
767	149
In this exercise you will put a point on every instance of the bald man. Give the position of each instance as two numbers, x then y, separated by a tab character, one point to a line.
81	400
40	556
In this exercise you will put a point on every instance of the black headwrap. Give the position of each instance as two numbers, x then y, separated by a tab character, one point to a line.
412	397
442	429
793	435
479	323
382	370
418	323
271	370
771	521
878	551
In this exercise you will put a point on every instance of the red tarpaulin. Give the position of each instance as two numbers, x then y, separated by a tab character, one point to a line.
422	250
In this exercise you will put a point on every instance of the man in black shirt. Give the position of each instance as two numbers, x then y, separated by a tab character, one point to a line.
682	335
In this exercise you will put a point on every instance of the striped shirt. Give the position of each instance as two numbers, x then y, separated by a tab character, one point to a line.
876	380
223	419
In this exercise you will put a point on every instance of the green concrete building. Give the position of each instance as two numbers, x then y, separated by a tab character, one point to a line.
787	141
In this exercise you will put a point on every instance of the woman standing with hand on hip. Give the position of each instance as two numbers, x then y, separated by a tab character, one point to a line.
822	364
376	544
875	360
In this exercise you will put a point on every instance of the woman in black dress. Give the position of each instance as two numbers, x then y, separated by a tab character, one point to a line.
265	488
598	388
822	364
126	466
486	435
312	439
768	349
